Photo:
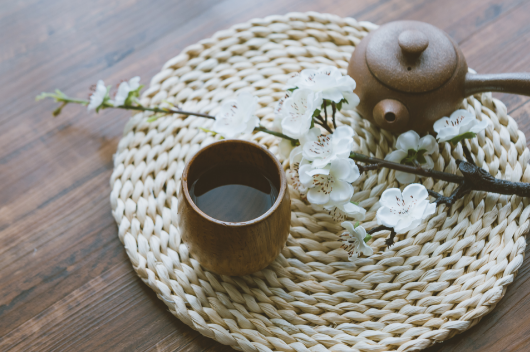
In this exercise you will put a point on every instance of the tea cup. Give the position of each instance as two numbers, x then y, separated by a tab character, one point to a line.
234	248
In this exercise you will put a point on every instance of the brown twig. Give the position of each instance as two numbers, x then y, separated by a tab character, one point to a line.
445	176
390	240
320	121
363	168
467	153
474	178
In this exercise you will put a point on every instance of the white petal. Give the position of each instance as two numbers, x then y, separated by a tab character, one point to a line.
334	94
415	191
310	136
340	168
97	98
391	197
361	231
396	156
305	178
121	94
447	133
134	83
316	196
365	249
429	210
353	211
408	140
347	82
429	144
343	131
297	113
461	113
406	225
348	226
480	126
429	164
416	211
405	178
343	148
342	192
252	123
295	156
312	171
386	217
354	172
466	124
322	162
329	70
353	100
440	124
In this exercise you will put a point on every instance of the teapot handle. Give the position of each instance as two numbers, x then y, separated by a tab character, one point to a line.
515	83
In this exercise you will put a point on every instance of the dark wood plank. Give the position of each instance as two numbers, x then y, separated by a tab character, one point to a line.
66	280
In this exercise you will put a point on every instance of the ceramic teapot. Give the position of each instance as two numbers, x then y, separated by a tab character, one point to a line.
410	73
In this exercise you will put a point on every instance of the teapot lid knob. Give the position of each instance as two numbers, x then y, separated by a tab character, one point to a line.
410	56
413	42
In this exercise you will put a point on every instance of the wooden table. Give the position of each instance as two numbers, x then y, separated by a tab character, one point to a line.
66	283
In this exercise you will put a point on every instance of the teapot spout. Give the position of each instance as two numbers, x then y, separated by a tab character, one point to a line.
515	83
391	114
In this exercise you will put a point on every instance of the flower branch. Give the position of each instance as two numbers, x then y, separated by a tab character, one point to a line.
444	176
323	166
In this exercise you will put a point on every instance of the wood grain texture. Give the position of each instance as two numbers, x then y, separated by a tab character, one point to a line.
252	244
66	283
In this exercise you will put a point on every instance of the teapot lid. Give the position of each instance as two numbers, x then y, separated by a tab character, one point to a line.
411	56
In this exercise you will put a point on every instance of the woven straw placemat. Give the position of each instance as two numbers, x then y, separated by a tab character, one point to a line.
438	280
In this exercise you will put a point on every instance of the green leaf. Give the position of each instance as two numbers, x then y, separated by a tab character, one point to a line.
316	113
57	111
356	203
292	89
356	225
43	95
133	95
420	156
367	238
339	105
413	155
467	135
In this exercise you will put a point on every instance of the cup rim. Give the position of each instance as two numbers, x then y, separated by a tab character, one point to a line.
262	217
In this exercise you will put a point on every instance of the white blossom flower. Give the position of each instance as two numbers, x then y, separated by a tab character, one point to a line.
237	116
410	148
297	112
330	185
124	89
322	150
353	241
340	212
98	97
404	211
460	125
295	158
329	82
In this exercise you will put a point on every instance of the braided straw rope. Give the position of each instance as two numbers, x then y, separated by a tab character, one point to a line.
438	280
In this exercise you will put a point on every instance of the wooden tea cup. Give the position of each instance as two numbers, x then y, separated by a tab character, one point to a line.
234	248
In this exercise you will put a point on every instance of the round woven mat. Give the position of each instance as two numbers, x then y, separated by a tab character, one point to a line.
438	280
